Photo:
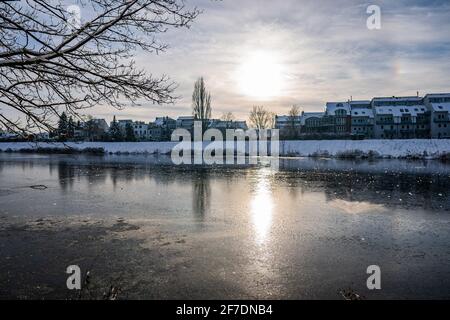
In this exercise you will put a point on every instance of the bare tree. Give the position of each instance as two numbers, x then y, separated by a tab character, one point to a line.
294	113
260	118
201	102
49	65
228	118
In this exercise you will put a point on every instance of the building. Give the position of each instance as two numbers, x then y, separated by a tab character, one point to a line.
400	118
6	135
289	126
167	126
340	113
140	130
439	106
224	125
91	130
154	132
362	119
314	123
362	123
123	125
185	122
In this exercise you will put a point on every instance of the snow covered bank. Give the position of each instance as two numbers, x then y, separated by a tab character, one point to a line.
108	147
421	149
414	148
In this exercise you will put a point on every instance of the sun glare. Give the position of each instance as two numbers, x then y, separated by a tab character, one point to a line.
260	75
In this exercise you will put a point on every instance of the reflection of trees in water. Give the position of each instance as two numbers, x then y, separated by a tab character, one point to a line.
68	173
201	193
392	189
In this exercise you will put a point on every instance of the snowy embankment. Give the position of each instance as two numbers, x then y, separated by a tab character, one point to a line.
414	148
108	147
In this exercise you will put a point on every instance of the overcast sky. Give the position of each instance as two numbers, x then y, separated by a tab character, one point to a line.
312	51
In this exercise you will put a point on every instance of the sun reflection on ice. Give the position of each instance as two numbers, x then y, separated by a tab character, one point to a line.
262	207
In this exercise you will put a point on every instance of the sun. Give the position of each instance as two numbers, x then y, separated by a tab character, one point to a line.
260	75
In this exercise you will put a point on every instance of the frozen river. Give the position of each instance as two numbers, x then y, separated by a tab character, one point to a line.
158	231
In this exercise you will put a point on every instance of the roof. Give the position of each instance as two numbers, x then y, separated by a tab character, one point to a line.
360	102
333	106
307	115
362	112
396	99
399	111
438	95
287	118
186	118
441	107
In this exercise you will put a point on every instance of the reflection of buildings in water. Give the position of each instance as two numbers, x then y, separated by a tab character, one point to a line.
201	193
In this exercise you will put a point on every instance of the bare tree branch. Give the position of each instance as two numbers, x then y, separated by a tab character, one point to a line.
49	65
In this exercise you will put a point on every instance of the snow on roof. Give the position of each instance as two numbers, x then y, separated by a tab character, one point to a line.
438	95
186	118
308	115
362	112
441	107
286	118
333	106
367	102
398	111
396	99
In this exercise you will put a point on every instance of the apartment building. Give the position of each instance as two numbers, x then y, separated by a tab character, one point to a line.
439	106
400	118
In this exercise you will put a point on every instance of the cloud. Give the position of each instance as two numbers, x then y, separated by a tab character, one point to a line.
326	51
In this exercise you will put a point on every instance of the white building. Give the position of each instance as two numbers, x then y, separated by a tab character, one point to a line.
185	122
340	111
400	118
362	119
439	104
140	130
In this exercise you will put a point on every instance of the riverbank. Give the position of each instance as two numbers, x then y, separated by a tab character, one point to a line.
396	149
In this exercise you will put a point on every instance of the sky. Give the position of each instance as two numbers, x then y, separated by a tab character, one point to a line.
299	52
